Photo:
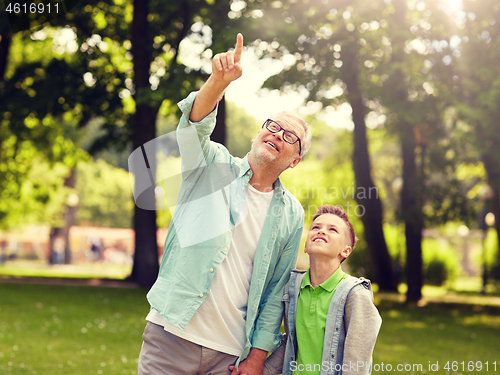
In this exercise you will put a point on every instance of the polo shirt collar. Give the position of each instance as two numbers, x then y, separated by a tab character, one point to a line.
329	285
306	280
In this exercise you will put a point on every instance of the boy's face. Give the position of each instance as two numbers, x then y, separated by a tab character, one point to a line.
328	237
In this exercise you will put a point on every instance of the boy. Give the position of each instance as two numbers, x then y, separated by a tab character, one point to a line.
330	319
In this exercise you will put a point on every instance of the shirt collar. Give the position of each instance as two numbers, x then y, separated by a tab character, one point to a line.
245	167
306	280
329	285
279	188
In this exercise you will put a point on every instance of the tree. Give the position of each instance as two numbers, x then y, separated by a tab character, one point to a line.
120	63
327	60
105	198
419	88
5	41
181	16
385	59
478	86
411	194
42	121
30	130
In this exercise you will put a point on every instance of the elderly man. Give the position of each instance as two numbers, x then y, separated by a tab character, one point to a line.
217	299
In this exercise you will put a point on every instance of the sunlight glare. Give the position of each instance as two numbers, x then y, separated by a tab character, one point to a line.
455	5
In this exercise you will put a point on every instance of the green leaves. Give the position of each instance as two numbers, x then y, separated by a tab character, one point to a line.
105	195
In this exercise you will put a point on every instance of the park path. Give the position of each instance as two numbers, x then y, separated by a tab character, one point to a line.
113	283
450	297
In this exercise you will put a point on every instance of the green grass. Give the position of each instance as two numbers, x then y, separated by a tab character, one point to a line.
438	333
20	268
58	330
81	330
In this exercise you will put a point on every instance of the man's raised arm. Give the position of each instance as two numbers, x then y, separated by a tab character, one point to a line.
226	68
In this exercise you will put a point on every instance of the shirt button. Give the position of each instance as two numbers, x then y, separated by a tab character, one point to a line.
211	270
236	209
225	249
201	294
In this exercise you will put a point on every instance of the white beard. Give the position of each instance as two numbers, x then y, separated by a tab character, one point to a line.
267	159
262	156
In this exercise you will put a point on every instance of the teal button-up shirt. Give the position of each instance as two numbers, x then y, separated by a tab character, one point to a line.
201	230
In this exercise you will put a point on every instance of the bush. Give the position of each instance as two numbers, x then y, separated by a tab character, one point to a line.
436	272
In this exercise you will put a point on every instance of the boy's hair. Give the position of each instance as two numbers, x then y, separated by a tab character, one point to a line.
337	211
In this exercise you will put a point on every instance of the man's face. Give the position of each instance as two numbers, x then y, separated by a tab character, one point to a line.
271	148
328	237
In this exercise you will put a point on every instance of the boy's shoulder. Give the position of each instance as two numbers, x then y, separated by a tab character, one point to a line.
296	277
353	281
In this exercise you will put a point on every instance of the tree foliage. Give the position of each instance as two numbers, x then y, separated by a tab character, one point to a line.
105	195
421	76
114	60
390	60
478	92
324	59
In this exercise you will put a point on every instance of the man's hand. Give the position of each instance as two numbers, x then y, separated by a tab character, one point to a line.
226	66
252	365
247	367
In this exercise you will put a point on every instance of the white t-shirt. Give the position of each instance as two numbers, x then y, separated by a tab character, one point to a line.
219	322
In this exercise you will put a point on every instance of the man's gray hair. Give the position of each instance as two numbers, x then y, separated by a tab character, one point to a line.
306	142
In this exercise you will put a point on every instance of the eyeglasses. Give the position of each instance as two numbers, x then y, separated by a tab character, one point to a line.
288	136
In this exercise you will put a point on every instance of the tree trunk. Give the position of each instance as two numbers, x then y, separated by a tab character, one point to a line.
145	268
367	193
411	200
59	244
496	211
219	133
5	41
411	207
55	234
146	265
69	217
493	171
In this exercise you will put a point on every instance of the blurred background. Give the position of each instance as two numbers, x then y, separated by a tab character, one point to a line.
403	100
402	97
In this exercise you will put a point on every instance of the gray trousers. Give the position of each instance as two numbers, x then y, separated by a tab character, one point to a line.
163	353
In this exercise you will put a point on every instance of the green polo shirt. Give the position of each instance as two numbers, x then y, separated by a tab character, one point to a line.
312	309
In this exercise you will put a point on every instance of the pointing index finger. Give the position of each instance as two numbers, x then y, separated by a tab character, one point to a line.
238	48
